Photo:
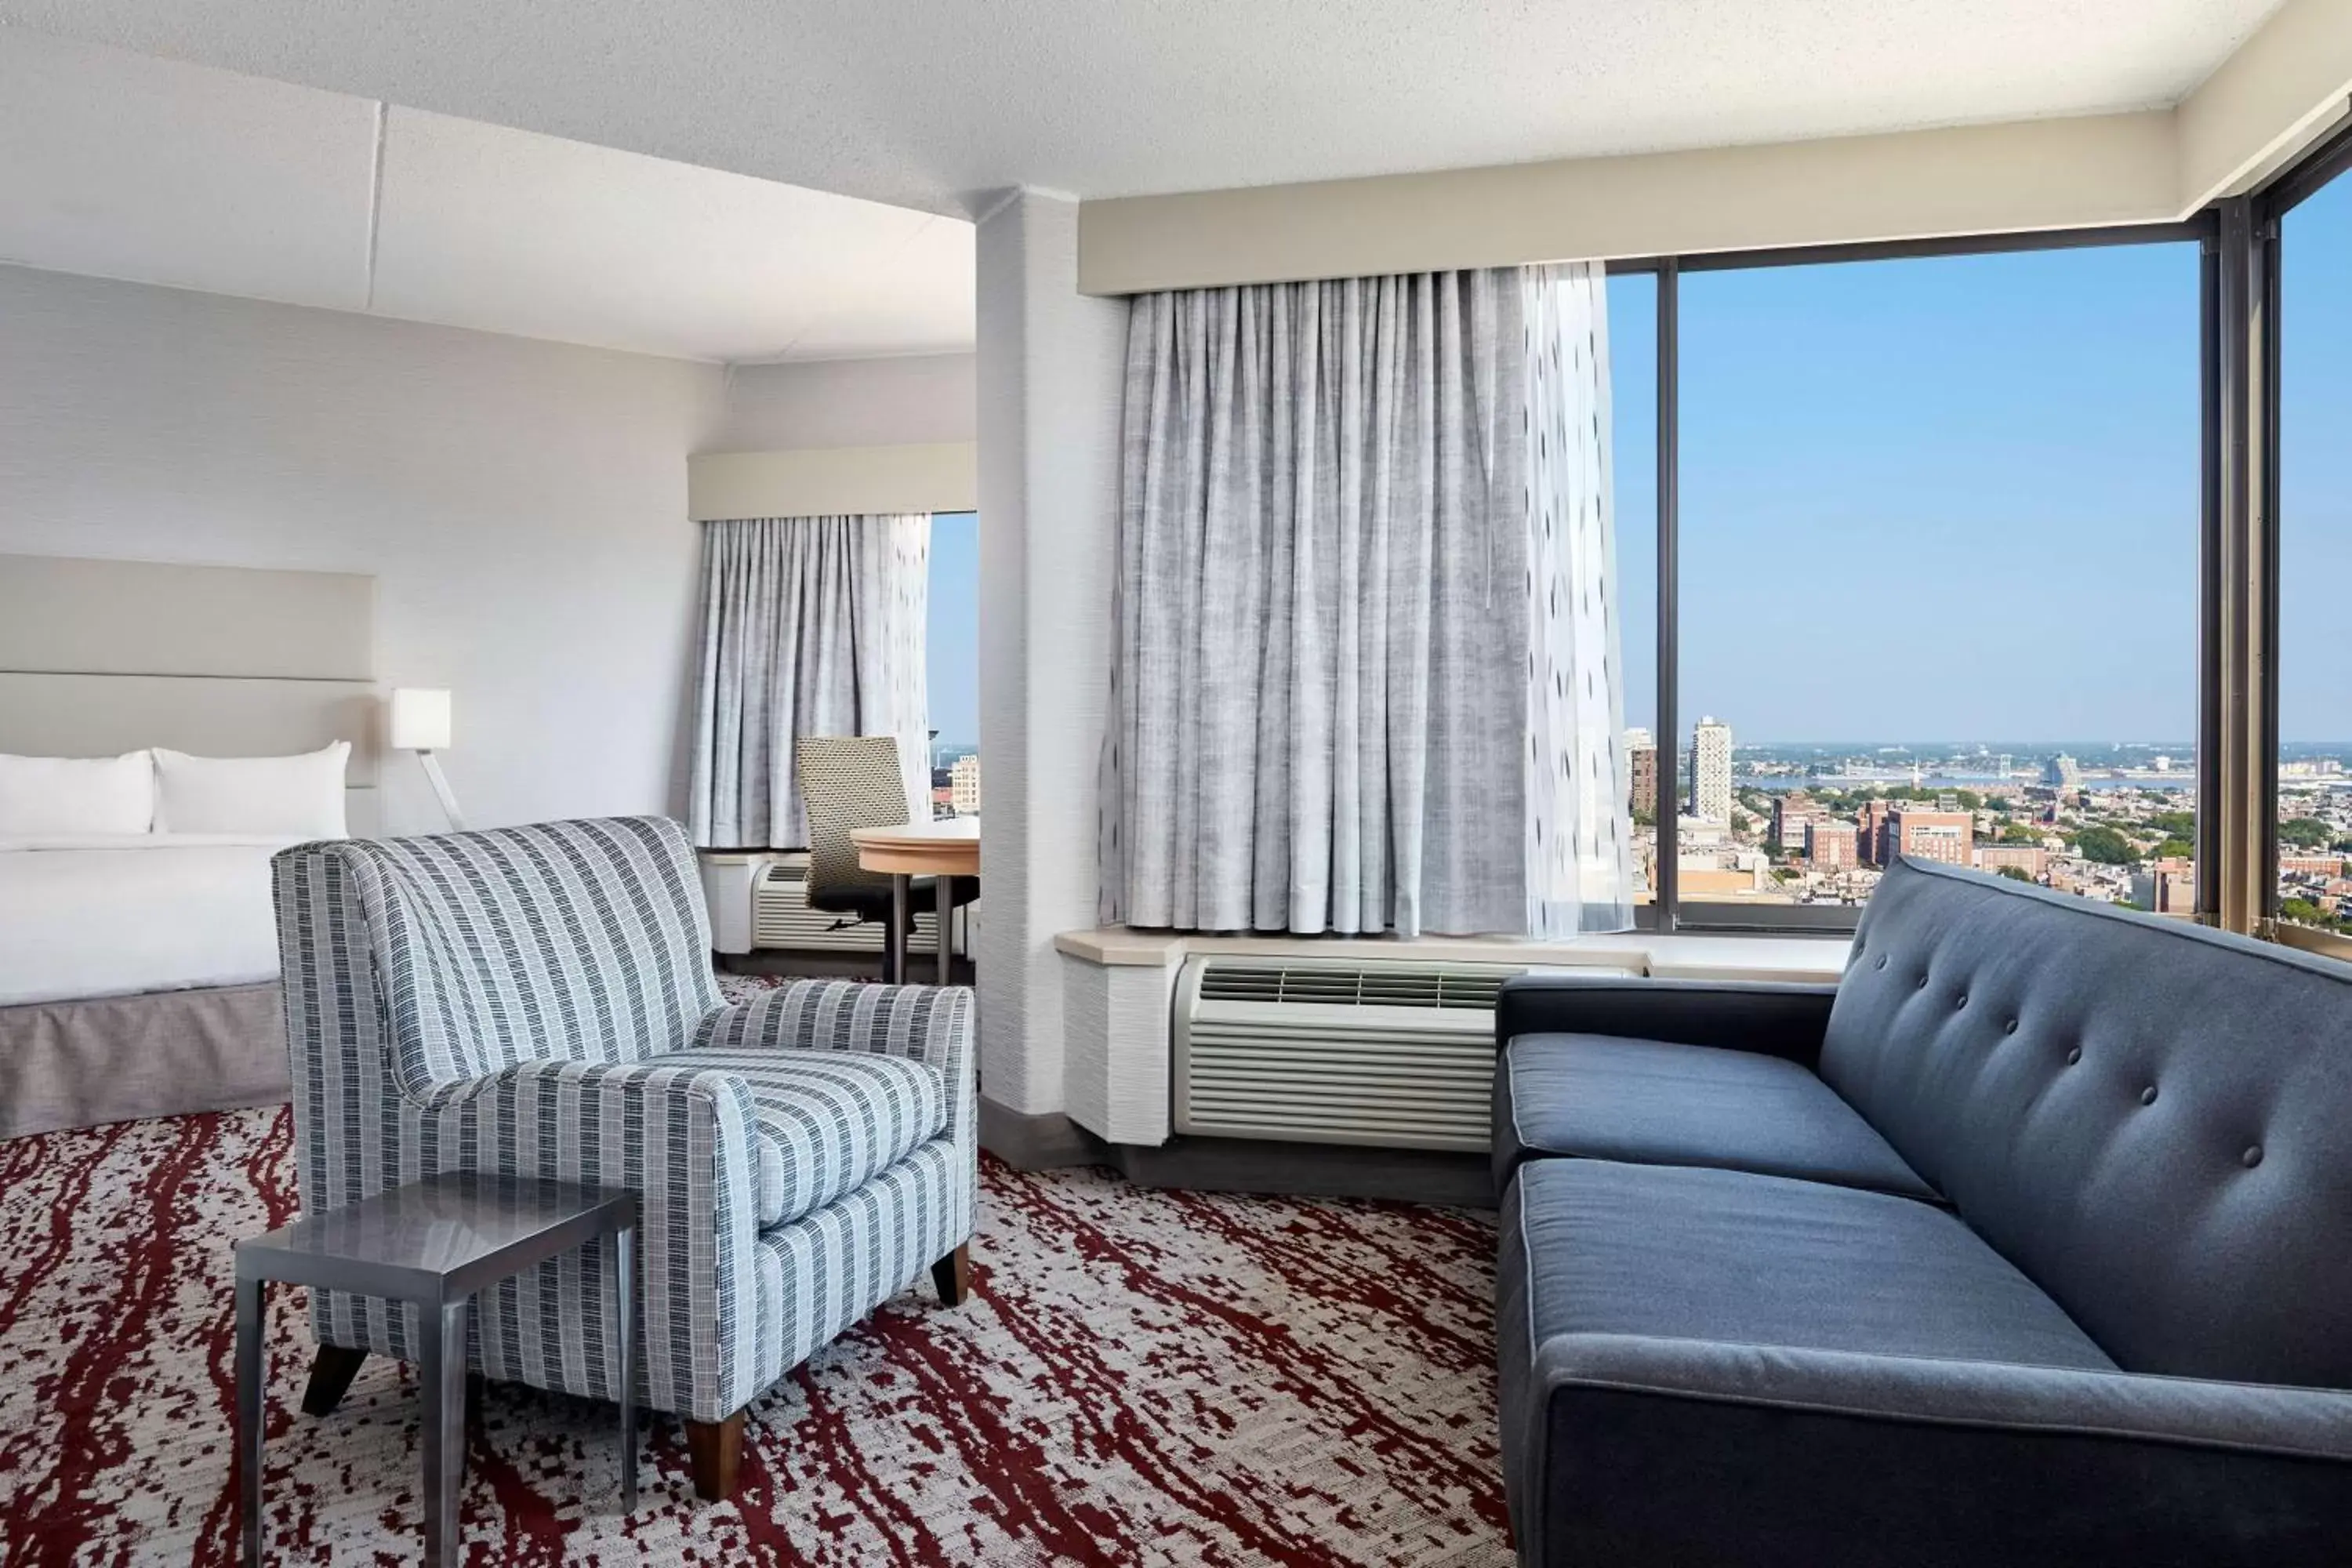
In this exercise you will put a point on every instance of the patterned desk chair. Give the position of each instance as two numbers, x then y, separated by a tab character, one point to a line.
849	782
539	1002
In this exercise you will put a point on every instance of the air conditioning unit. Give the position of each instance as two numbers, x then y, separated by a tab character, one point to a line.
758	904
1384	1052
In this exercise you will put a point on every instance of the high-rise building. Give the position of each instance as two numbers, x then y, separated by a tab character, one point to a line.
1792	813
1641	768
1872	838
1831	845
1710	796
1946	836
2063	772
963	780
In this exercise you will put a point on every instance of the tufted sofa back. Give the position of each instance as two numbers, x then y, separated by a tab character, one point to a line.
586	941
2152	1120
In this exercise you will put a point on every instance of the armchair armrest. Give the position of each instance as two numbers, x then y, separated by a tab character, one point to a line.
1774	1018
679	1136
929	1024
1843	1457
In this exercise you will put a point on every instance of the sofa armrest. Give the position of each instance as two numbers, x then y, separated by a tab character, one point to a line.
1630	1449
681	1139
929	1024
1775	1017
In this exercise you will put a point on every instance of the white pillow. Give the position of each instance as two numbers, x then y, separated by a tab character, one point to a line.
274	797
63	796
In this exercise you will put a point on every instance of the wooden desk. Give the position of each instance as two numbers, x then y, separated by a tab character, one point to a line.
936	849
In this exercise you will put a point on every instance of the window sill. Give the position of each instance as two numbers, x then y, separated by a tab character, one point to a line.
1683	955
2309	939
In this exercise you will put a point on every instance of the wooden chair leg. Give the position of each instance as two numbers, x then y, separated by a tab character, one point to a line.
331	1379
715	1448
953	1275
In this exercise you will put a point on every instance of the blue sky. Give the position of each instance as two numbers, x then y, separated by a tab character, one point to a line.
953	654
1955	498
1940	499
2316	471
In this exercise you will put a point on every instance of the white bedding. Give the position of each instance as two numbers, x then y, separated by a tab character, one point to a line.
113	915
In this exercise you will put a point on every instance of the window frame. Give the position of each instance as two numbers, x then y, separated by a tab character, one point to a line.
1666	912
2251	338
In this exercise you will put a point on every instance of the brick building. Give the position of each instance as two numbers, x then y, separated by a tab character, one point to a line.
1946	836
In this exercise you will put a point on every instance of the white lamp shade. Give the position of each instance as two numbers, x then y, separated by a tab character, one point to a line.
420	719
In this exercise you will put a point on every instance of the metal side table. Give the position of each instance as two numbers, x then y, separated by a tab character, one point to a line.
434	1244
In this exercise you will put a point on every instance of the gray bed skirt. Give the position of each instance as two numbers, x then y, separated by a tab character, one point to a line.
117	1058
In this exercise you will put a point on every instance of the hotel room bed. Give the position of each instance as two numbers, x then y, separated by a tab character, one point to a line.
138	977
139	969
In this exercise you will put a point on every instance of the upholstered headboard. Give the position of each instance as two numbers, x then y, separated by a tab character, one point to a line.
98	658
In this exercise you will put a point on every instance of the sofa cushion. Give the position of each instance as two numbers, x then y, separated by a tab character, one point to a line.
1715	1367
830	1120
1678	1252
1649	1102
2151	1119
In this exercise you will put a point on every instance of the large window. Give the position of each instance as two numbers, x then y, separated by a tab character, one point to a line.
2032	554
1933	528
1634	413
2312	790
951	653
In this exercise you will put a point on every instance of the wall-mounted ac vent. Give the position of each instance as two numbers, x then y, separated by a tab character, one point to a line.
1353	986
1387	1052
781	919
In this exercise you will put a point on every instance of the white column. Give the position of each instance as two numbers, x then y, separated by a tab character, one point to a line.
1051	371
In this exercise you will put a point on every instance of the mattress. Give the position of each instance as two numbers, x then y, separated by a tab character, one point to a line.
117	916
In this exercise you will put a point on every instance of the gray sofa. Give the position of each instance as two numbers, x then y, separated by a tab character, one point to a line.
2030	1242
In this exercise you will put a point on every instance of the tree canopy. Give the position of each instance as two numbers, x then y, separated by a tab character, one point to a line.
2304	912
2105	846
2305	833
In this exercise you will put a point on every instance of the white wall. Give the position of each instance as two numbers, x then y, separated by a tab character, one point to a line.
521	504
919	400
1051	375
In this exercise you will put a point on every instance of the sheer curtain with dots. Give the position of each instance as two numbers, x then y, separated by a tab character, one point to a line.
1579	821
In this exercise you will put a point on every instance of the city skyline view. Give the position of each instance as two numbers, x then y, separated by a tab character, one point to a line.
1759	823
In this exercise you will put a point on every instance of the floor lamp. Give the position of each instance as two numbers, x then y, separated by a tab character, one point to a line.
420	723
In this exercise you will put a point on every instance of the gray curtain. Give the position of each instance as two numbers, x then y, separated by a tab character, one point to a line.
1320	682
810	626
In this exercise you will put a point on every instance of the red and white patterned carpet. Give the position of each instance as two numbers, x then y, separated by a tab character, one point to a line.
1144	1377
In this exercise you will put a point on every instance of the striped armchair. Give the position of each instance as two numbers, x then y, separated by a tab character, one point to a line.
539	1002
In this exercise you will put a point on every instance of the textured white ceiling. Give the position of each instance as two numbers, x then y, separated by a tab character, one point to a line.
159	172
929	104
124	167
511	232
